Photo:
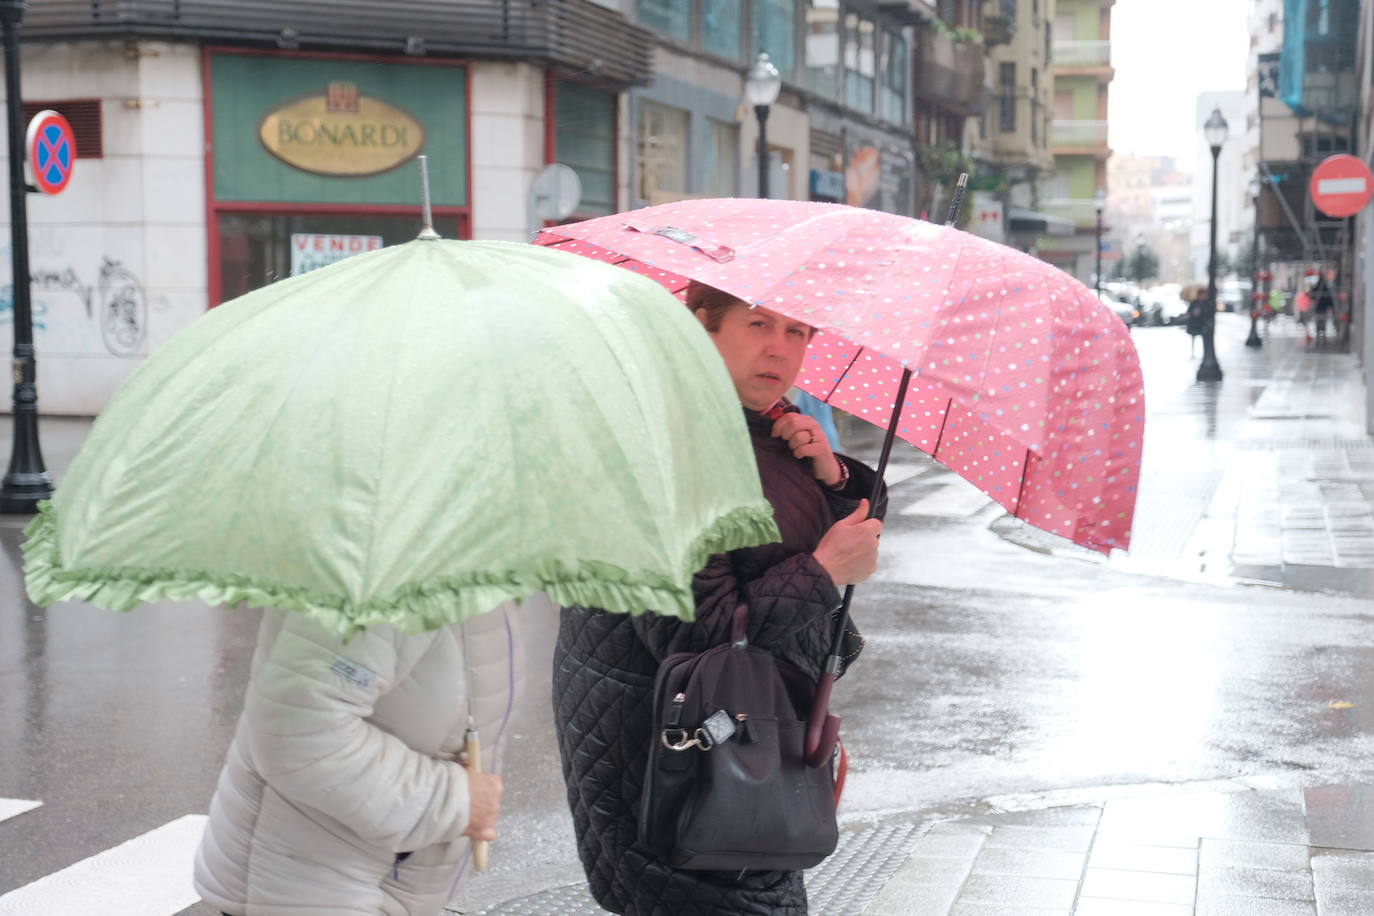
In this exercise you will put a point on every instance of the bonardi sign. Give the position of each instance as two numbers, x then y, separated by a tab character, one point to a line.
341	132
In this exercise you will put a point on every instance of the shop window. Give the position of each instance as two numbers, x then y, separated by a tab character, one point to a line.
774	31
584	140
892	104
823	47
662	152
85	118
720	27
671	17
256	249
722	160
859	62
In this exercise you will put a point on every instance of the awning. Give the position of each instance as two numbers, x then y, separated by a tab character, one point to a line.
1019	219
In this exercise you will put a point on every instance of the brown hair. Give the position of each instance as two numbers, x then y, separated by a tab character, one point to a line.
716	302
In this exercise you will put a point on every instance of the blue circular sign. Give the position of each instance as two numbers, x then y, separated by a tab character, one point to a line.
51	151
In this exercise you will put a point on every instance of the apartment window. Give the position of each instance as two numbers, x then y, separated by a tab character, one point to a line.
1035	8
860	65
774	31
1006	85
823	47
662	152
892	93
584	140
720	27
722	160
1035	106
671	17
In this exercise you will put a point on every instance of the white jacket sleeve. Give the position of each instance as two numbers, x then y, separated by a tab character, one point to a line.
305	713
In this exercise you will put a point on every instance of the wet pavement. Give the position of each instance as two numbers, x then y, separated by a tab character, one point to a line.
1032	730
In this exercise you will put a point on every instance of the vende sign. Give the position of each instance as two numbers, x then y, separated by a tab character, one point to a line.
1341	186
313	250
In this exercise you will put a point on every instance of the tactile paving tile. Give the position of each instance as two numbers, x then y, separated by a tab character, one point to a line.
843	885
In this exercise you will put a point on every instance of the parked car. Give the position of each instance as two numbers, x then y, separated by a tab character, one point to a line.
1123	310
1162	304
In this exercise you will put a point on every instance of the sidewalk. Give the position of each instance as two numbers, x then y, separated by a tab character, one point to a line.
1265	479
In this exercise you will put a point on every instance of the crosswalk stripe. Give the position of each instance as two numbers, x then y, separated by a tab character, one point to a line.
9	807
149	875
951	500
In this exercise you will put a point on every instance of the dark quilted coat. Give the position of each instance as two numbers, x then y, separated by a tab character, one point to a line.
603	678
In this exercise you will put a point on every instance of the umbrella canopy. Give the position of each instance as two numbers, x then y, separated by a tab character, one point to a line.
1022	381
410	437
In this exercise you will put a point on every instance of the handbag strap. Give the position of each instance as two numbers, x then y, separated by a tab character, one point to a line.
739	629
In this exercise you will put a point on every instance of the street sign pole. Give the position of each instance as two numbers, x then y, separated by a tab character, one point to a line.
27	481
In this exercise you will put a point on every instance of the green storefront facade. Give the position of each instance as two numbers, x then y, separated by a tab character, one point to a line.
313	157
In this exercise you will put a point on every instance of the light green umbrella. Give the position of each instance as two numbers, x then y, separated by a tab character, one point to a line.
410	437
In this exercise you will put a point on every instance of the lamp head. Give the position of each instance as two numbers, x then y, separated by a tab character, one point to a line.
762	84
1215	130
1099	200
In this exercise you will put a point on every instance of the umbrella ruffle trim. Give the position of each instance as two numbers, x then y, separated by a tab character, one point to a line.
427	605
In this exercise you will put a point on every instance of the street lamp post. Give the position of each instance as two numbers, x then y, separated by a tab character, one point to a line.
1209	370
26	482
1256	287
1099	202
761	88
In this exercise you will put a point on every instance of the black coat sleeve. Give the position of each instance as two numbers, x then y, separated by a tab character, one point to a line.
791	601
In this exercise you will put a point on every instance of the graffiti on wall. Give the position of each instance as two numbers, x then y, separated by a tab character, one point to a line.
115	303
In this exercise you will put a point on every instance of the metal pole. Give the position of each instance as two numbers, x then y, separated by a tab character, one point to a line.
1256	284
1209	370
1097	270
27	481
762	112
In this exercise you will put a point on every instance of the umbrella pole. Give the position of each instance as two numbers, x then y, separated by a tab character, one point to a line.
823	729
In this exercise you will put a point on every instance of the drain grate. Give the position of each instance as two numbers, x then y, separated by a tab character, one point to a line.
843	885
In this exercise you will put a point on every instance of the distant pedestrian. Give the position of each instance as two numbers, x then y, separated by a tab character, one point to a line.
1193	319
1323	304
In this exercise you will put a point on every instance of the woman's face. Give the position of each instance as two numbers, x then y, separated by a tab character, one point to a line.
762	350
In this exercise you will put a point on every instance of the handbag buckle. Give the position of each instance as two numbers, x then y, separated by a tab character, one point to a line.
678	739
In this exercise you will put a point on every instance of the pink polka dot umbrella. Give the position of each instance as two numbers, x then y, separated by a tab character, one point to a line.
1021	381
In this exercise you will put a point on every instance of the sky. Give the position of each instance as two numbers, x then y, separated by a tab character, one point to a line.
1165	52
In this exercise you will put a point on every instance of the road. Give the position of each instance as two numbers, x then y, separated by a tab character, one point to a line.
993	675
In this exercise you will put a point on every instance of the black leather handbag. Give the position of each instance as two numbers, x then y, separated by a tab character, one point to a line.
727	787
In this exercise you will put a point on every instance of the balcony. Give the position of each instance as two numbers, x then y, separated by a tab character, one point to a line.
1078	211
949	73
999	25
577	35
1083	54
1078	136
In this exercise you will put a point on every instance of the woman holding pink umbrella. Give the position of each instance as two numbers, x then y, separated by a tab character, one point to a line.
604	664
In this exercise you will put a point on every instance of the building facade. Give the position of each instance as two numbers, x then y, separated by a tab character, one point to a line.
220	149
1014	136
1082	76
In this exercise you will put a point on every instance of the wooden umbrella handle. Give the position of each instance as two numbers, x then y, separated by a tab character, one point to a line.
473	751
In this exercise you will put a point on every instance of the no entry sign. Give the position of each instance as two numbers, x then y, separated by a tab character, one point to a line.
1341	186
51	151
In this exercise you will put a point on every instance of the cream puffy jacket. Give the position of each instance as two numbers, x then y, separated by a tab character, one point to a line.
344	758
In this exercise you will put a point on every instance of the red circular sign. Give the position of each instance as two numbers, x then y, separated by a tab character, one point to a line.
51	150
1341	185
